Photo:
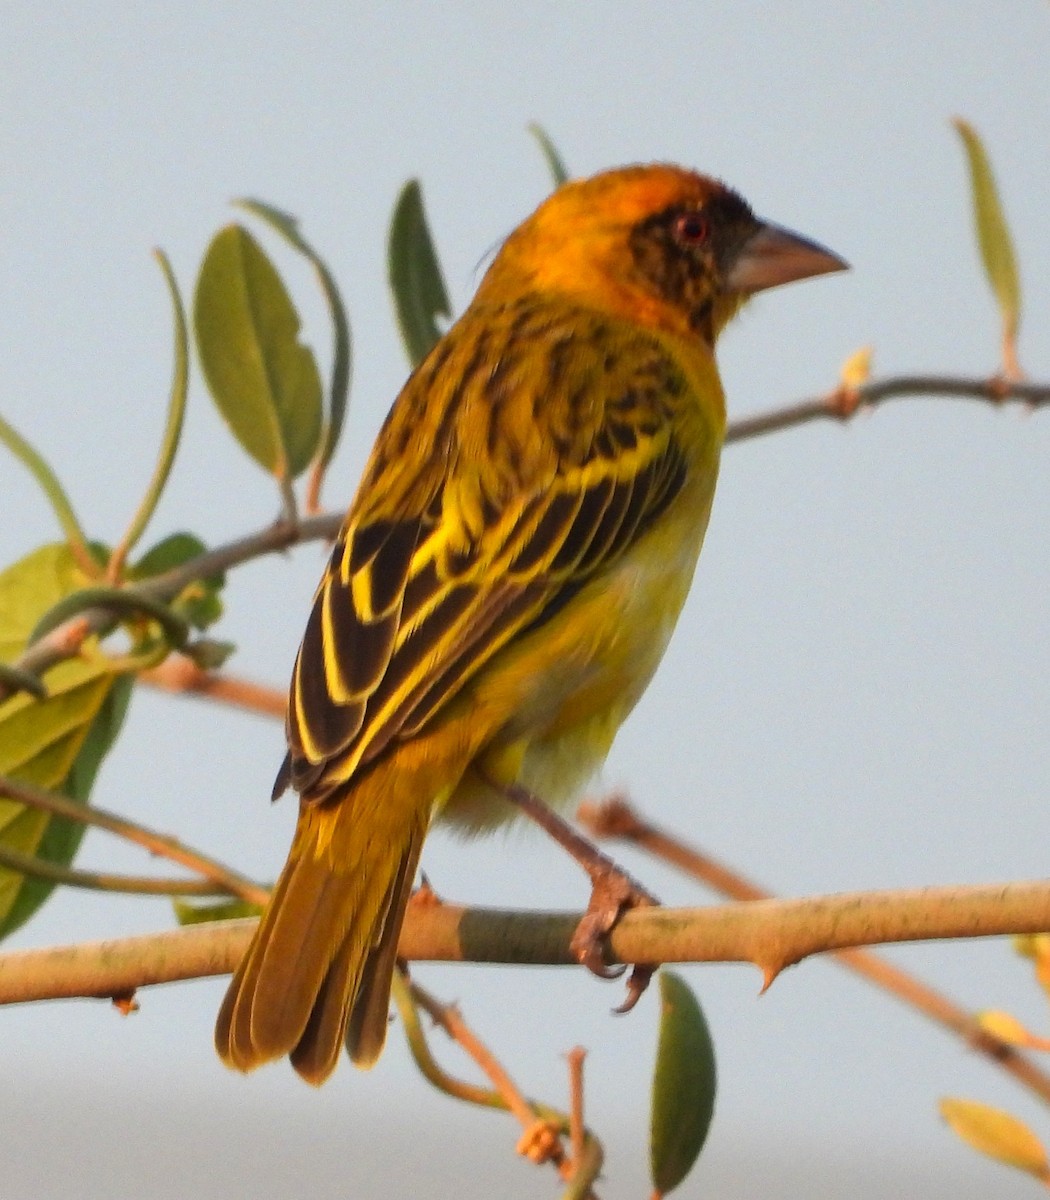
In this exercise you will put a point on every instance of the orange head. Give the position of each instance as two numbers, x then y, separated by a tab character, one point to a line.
655	244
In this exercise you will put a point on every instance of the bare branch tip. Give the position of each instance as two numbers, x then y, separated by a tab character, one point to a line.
612	817
178	673
540	1143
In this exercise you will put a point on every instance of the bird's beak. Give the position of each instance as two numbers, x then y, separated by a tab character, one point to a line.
772	256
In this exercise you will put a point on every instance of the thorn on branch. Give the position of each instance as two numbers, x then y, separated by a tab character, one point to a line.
125	1003
769	973
68	638
1000	387
424	896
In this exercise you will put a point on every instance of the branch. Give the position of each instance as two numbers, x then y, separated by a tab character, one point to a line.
226	879
99	881
841	403
542	1125
772	934
180	674
64	641
616	819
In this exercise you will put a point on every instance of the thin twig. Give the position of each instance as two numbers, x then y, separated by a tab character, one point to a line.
841	403
838	404
226	879
65	641
577	1129
428	1065
541	1125
617	819
449	1018
180	674
98	881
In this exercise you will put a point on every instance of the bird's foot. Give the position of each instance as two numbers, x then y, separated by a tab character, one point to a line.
613	892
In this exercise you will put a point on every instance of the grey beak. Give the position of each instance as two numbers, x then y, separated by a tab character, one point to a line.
772	256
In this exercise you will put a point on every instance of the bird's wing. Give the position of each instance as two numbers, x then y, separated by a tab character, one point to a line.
520	490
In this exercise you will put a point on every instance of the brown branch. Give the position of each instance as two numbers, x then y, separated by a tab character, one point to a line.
180	674
419	1047
450	1019
65	640
226	878
839	404
100	881
772	934
577	1128
542	1125
842	402
617	819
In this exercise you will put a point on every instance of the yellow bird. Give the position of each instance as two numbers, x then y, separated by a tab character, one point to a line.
507	577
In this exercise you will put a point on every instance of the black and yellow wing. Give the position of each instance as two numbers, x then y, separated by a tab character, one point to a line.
518	462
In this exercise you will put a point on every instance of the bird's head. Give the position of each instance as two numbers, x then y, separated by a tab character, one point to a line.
657	244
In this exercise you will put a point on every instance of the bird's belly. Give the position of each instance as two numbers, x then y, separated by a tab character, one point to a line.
568	687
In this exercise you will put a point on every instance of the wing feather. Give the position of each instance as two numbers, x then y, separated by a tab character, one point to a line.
420	594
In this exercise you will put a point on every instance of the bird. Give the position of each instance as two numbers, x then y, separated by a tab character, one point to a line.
506	579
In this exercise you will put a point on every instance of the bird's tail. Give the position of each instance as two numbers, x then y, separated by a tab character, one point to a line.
319	968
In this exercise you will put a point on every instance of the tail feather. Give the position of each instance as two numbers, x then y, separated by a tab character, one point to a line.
332	923
355	993
369	1016
316	1053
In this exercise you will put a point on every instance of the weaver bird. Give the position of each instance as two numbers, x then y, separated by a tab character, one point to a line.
506	579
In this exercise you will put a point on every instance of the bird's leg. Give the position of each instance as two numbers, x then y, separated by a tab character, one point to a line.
613	892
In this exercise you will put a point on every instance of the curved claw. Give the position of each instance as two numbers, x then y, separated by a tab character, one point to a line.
612	893
604	971
641	974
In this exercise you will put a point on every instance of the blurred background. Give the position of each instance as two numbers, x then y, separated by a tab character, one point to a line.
856	696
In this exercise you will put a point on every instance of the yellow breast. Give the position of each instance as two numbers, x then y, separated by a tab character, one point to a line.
565	689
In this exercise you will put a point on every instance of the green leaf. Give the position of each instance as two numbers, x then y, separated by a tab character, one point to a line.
56	743
555	163
415	275
61	838
171	551
997	1135
46	478
683	1085
187	913
199	602
262	378
993	233
339	390
208	654
173	425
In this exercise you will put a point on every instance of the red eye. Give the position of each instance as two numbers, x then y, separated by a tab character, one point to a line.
691	229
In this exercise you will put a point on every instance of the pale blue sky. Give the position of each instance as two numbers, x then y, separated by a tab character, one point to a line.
856	696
